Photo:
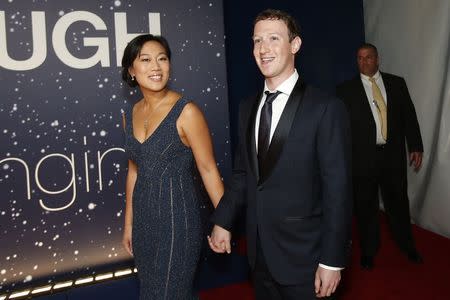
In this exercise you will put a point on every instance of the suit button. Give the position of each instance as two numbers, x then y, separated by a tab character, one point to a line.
260	188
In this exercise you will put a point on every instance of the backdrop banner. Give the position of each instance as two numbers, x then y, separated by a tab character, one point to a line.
62	162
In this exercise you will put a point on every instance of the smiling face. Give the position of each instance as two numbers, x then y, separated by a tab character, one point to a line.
273	52
151	68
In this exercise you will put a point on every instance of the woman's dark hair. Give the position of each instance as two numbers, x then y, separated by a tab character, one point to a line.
132	51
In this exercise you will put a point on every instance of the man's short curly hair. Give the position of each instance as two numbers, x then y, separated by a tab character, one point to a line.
275	14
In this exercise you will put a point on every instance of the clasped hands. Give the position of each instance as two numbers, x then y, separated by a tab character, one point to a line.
220	240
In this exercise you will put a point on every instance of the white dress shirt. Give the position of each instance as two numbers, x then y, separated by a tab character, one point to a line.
278	106
368	89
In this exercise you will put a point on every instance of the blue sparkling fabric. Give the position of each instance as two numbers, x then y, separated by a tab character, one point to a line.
167	230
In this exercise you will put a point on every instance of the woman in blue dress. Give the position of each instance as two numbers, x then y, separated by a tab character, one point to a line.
167	138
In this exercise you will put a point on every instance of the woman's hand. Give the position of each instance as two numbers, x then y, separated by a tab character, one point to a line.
126	240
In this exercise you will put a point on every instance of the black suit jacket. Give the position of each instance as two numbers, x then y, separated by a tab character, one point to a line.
299	202
401	124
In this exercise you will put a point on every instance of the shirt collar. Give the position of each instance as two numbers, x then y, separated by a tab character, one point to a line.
286	86
367	78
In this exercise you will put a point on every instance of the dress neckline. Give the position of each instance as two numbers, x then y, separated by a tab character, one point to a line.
157	127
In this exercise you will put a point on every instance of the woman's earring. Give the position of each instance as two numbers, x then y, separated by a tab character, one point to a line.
132	77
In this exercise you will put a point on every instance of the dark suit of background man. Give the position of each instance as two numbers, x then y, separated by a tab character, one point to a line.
295	182
379	159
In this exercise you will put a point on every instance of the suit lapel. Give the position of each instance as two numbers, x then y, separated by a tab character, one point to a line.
363	103
361	91
282	131
388	88
251	139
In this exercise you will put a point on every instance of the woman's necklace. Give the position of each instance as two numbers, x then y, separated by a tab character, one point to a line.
151	114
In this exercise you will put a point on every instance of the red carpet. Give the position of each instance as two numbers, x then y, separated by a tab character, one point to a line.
393	278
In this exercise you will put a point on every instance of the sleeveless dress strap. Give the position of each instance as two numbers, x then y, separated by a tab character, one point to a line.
179	106
128	114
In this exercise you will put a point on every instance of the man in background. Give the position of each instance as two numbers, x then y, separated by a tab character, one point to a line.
382	117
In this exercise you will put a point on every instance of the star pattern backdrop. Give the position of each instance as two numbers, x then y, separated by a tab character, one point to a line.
62	166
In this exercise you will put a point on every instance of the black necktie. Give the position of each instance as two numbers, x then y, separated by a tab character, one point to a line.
265	121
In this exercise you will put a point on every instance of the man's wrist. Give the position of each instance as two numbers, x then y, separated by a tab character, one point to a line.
330	267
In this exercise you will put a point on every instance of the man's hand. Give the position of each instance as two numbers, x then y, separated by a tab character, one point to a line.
415	159
326	282
220	240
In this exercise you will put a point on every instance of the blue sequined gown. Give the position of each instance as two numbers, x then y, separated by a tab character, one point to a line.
166	211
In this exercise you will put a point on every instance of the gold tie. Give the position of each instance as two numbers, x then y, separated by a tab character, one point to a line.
381	107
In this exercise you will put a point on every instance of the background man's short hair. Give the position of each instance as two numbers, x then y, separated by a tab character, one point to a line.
368	46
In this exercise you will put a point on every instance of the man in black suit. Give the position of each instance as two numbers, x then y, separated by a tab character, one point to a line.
382	117
291	172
